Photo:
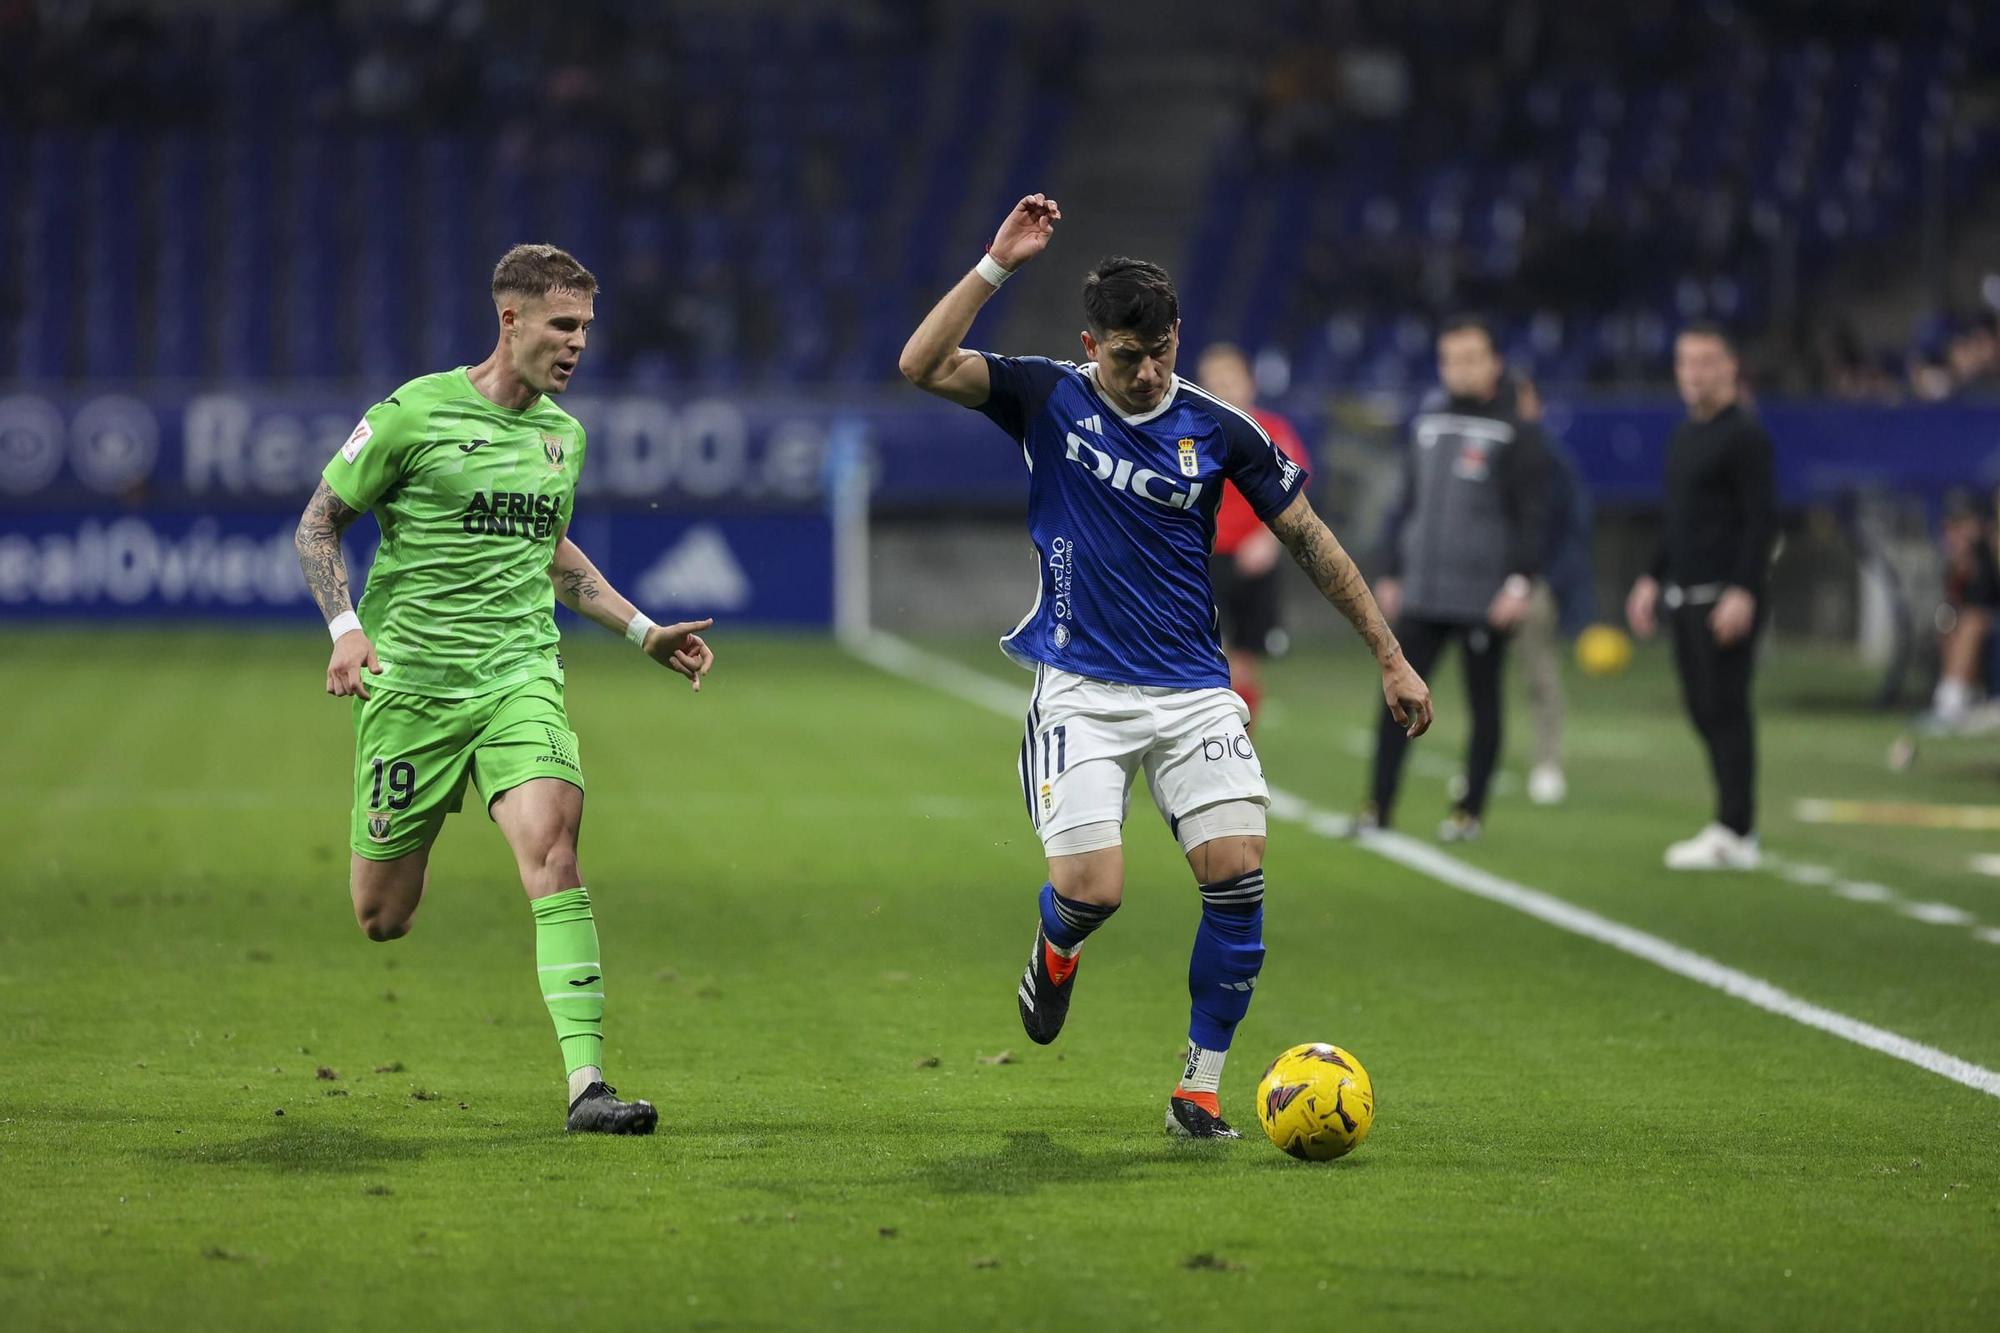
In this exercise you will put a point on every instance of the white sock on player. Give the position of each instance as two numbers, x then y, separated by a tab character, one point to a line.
1204	1070
582	1079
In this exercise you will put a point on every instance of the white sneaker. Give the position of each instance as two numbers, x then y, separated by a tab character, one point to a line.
1459	827
1546	785
1715	848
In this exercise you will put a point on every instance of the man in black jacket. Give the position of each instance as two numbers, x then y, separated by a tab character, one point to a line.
1464	547
1718	525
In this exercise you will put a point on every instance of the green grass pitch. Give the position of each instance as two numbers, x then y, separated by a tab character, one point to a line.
223	1107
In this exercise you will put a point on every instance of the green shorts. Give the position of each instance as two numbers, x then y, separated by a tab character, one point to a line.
413	753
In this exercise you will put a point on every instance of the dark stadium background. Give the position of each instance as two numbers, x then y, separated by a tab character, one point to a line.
227	228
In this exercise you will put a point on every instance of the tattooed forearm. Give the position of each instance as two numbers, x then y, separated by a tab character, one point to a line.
581	588
576	586
1332	570
318	543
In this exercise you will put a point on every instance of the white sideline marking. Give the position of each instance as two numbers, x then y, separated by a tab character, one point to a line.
900	658
1867	891
1937	914
1861	891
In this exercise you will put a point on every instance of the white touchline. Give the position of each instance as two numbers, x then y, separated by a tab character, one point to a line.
904	659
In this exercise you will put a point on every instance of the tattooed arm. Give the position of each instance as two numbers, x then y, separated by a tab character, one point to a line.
581	588
318	543
584	590
1332	570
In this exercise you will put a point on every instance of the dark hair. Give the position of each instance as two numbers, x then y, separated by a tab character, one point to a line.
537	270
1708	328
1468	323
1123	293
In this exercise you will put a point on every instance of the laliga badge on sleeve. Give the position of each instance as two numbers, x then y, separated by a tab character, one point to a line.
362	433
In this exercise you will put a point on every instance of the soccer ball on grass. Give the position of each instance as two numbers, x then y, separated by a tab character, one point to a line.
1316	1102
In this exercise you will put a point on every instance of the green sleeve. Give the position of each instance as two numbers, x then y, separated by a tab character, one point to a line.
373	458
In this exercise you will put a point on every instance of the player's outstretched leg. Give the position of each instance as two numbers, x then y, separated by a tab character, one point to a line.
1222	976
540	819
1066	922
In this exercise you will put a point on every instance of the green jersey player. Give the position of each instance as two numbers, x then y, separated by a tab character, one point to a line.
452	660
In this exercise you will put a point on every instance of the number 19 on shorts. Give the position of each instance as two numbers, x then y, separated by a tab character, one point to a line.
402	775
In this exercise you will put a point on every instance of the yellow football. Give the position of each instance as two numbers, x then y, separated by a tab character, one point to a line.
1316	1102
1603	650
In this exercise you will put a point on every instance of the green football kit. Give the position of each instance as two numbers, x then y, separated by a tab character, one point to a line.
471	498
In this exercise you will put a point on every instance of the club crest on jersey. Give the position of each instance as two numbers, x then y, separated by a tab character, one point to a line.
378	827
1121	475
1190	465
552	446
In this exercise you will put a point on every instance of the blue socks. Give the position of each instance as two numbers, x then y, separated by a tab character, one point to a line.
1068	923
1228	955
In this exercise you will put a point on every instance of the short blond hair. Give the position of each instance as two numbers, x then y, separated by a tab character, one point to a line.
537	270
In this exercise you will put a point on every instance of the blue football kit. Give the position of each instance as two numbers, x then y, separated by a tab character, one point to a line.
1121	510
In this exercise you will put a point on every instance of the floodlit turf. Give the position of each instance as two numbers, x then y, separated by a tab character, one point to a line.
814	887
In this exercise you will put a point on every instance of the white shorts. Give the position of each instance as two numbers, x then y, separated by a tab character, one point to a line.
1087	738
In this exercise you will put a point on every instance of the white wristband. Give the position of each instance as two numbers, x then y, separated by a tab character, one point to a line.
636	627
344	623
993	270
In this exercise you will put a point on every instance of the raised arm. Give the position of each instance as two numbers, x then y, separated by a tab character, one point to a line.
1332	570
932	359
583	589
318	542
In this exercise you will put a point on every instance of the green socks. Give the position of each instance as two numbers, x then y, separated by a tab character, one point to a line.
572	978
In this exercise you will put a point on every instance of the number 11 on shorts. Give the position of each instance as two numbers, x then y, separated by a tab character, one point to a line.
1059	738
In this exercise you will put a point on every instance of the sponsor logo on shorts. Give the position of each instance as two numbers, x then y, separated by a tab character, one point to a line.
1217	748
378	826
1048	797
561	751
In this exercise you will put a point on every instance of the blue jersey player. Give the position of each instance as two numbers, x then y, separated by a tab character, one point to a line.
1126	462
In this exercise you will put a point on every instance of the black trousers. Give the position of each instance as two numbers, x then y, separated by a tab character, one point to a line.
1424	642
1715	684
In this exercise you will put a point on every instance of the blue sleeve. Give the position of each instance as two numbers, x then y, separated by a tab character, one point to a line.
1019	385
1268	479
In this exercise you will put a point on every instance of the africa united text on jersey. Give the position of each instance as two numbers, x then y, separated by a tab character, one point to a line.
1122	513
